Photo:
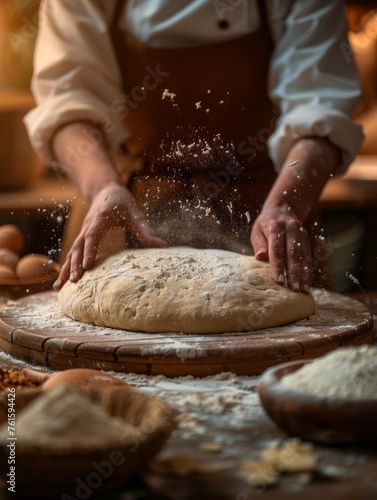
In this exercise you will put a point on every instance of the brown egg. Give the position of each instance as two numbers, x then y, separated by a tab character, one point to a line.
35	266
11	238
8	258
83	377
6	273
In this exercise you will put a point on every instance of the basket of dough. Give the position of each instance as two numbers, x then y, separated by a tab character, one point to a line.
69	441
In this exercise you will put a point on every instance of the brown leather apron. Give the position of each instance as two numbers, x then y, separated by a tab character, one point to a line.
206	169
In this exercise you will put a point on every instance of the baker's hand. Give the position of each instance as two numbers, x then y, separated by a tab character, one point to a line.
279	237
113	207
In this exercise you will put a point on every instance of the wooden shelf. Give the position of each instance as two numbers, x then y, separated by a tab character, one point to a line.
15	100
356	189
44	193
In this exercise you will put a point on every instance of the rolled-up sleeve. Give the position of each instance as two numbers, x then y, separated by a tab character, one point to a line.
76	74
313	80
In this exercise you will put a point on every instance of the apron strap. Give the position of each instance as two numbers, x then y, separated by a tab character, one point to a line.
119	8
117	38
263	14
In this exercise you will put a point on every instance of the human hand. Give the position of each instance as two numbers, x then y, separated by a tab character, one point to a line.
279	237
113	207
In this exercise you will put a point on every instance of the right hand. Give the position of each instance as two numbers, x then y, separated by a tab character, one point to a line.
113	207
279	237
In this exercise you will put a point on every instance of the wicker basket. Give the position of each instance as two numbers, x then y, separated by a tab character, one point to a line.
51	473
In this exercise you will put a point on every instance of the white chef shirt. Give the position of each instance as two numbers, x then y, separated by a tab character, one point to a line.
312	80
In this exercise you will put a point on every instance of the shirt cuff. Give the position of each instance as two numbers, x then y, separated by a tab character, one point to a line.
305	121
43	121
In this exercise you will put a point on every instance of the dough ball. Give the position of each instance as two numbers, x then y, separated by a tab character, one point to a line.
181	289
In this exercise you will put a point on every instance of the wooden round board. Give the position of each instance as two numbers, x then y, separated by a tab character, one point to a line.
34	329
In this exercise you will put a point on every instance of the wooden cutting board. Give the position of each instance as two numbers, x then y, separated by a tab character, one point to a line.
34	330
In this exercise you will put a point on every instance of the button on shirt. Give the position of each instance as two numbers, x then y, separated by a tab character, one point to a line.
313	78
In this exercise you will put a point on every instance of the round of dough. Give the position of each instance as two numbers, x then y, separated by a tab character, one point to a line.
181	289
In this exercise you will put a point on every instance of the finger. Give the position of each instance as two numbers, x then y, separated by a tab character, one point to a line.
64	274
306	275
294	261
298	265
148	240
259	243
77	253
141	229
306	268
276	252
93	238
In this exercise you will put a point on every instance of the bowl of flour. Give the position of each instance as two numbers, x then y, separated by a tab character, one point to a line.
332	399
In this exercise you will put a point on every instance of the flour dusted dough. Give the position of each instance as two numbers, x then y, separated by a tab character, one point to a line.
182	289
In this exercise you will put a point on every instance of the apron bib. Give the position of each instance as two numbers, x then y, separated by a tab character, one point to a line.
199	118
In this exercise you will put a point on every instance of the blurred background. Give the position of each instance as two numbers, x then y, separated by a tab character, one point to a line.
39	200
31	196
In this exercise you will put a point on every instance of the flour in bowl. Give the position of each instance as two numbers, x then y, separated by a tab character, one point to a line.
347	372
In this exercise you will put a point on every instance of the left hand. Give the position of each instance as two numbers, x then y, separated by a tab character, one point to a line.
113	207
279	237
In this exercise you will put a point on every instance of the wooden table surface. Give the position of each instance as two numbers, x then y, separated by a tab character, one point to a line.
343	472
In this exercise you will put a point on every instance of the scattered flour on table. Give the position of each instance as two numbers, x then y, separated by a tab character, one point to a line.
219	400
347	372
47	314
